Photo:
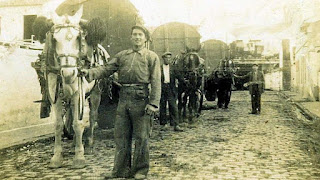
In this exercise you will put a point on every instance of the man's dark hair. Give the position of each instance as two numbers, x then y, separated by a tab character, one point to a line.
143	29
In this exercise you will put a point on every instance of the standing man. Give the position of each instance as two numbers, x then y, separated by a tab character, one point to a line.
168	93
137	68
256	87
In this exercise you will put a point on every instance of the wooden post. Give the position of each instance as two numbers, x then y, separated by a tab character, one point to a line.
286	69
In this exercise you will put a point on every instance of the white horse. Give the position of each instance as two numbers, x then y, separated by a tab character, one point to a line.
66	89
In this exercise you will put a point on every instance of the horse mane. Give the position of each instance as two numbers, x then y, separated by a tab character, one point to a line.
96	29
40	27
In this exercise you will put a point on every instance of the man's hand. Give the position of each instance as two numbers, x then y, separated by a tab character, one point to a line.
83	72
151	110
236	76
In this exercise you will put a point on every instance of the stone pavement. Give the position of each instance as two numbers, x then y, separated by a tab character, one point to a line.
311	109
224	144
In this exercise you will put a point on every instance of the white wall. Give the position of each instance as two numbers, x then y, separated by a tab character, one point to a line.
12	21
273	80
307	63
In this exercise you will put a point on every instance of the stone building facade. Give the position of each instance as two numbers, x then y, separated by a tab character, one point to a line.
16	18
305	62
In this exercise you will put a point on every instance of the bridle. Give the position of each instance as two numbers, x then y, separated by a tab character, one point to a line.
191	66
68	63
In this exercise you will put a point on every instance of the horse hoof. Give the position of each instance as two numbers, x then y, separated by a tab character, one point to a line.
88	150
192	125
78	163
55	163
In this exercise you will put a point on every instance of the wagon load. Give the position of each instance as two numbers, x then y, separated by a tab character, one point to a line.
174	37
213	51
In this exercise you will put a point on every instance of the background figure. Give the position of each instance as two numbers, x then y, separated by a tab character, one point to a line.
256	87
168	93
225	82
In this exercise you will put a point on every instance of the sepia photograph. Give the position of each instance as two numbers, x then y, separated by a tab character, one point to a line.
160	89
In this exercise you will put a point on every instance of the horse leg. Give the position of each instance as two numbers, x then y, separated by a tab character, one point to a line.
220	98
56	160
78	127
184	106
228	97
199	107
180	107
94	103
190	110
193	106
224	96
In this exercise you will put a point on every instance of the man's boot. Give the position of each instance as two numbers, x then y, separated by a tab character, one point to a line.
177	128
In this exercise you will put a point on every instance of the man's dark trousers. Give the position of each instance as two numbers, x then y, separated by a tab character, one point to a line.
131	121
256	99
167	95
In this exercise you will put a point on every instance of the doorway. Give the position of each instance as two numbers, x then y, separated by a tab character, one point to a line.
27	27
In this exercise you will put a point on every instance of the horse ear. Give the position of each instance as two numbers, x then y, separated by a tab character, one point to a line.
188	49
77	16
201	46
56	19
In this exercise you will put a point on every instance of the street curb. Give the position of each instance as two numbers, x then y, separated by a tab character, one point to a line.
28	143
304	111
47	138
25	134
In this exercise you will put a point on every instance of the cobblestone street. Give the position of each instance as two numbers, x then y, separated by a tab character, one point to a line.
224	144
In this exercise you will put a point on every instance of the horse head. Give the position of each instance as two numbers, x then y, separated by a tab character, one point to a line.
69	45
67	36
225	68
191	61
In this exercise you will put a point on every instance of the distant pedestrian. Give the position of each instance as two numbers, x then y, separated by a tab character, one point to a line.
256	87
168	93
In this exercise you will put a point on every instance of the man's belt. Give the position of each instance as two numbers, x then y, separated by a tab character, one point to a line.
133	85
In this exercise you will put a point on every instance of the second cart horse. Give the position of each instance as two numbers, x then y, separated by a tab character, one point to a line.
190	93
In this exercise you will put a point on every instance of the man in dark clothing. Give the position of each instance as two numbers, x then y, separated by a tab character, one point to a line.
256	87
168	93
137	68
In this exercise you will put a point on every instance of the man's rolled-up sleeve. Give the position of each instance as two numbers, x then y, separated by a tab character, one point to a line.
155	80
104	71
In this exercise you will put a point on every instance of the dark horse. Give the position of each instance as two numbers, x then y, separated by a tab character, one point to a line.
223	76
190	83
